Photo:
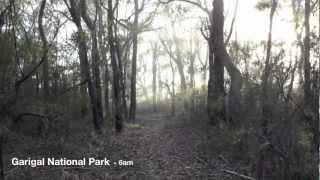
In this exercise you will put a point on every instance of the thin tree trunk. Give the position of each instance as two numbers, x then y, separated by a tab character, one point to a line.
133	100
192	81
98	122
159	84
154	77
44	57
116	70
103	50
122	65
266	111
307	66
266	104
173	95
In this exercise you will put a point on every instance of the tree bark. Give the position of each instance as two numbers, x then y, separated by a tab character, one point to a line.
307	66
44	57
133	100
103	50
84	62
310	109
217	46
215	103
98	122
116	70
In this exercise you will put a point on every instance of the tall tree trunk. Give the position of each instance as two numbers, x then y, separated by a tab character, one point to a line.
154	76
266	111
221	56
307	66
133	100
115	69
309	108
98	122
122	56
44	57
84	62
103	50
215	103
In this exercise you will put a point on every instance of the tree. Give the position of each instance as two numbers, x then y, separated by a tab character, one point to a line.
217	46
155	54
73	7
218	59
44	57
95	56
266	111
103	52
310	110
177	57
133	100
115	62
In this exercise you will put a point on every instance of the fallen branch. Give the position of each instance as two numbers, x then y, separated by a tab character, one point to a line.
28	114
237	174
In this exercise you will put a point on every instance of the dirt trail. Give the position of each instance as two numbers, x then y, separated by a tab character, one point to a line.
164	147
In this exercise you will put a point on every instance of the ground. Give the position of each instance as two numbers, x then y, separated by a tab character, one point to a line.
160	147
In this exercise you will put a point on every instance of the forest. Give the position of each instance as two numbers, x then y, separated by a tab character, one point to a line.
159	89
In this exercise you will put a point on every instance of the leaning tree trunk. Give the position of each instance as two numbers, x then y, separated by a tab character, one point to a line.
133	100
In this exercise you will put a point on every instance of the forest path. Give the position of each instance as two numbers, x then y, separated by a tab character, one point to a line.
163	147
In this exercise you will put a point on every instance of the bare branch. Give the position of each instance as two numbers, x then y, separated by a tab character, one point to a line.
237	174
197	4
232	24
